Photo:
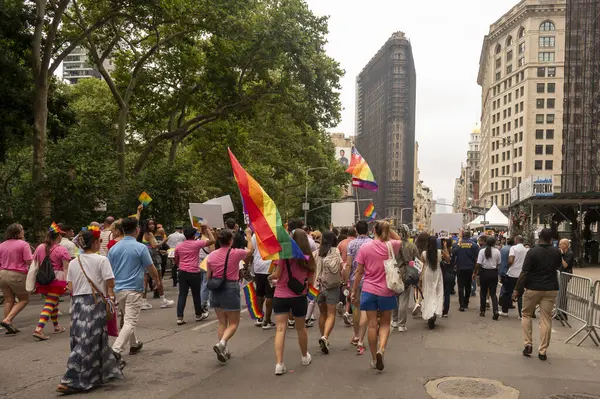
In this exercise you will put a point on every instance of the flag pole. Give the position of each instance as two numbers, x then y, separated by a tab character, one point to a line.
357	204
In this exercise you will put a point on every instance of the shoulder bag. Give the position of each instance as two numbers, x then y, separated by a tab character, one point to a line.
392	275
216	283
110	309
293	283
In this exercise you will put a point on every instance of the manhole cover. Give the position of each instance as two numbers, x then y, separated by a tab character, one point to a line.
469	389
472	388
573	396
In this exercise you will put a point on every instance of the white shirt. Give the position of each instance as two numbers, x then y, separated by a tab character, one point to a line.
259	265
174	239
98	270
204	252
313	245
68	244
104	239
518	251
492	262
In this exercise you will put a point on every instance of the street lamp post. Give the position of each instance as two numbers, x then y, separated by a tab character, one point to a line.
401	215
305	205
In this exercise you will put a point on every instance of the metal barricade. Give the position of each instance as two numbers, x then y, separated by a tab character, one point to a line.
575	297
595	310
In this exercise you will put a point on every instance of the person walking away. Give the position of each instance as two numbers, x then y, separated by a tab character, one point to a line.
329	280
421	244
204	291
161	239
149	240
264	290
568	261
226	300
503	270
290	278
516	257
187	259
66	240
173	240
376	298
539	282
448	274
359	322
432	281
408	254
91	281
343	250
59	258
465	257
130	260
15	258
117	234
488	261
106	235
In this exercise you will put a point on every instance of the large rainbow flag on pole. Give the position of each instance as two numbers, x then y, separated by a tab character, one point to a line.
272	238
362	176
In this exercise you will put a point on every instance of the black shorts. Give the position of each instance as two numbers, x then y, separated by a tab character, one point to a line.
263	288
298	305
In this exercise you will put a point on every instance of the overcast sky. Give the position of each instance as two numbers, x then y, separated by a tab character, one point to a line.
446	39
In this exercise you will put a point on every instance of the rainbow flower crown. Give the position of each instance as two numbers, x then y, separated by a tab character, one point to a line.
94	229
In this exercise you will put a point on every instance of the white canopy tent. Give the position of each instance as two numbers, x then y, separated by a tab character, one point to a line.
494	218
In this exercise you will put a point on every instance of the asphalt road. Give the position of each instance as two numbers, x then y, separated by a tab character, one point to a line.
178	361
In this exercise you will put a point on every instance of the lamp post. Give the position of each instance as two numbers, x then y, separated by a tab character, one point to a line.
401	215
305	205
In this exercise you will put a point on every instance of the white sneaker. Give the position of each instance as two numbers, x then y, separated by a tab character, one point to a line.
503	314
306	359
417	310
258	322
395	324
280	369
146	305
340	308
167	303
180	322
402	328
268	326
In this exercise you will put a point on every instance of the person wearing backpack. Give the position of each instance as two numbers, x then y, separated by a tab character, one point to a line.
53	260
329	280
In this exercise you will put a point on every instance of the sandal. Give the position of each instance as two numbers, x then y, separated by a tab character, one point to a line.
59	330
354	341
67	390
10	328
360	350
40	335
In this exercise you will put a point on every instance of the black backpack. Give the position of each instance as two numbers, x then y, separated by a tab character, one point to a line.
45	274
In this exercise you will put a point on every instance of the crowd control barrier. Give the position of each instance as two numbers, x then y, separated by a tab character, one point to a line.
579	298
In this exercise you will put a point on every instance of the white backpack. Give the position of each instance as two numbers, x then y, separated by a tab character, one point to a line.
392	273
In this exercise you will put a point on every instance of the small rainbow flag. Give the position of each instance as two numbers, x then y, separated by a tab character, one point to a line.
313	292
369	211
253	310
54	227
197	222
145	199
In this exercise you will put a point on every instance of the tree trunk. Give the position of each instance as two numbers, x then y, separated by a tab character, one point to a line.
173	151
41	210
123	112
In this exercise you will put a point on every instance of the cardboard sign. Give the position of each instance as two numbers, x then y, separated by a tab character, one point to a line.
225	203
343	214
212	214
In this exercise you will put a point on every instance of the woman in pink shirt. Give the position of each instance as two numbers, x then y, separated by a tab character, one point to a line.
187	259
226	299
15	258
376	297
59	258
286	300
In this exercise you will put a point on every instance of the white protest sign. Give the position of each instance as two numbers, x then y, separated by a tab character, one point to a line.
224	201
343	214
212	214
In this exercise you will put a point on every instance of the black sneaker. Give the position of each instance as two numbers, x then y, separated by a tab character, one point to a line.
461	309
431	323
542	356
134	350
482	314
527	351
495	316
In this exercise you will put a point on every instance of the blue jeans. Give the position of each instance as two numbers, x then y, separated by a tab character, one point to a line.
204	292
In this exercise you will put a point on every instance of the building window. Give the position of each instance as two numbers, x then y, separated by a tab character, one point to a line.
493	145
539	134
550	118
521	33
520	168
541	87
551	87
552	70
498	48
497	76
539	165
508	128
546	56
520	152
516	137
550	103
550	134
546	26
549	165
539	103
520	139
516	154
509	41
521	61
521	121
522	93
498	63
549	149
494	90
516	108
493	173
509	56
509	69
541	72
539	150
509	100
547	41
539	119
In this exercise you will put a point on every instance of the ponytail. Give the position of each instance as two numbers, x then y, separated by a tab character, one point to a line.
490	244
382	230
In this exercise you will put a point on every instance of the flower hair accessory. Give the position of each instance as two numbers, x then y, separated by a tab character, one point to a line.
95	230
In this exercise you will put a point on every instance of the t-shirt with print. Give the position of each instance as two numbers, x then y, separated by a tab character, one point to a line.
14	254
489	263
372	255
129	260
58	253
97	268
353	248
187	255
71	248
299	272
259	265
216	263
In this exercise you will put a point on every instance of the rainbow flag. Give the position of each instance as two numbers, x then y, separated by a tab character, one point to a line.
197	222
272	239
362	176
250	294
313	292
145	199
370	212
54	227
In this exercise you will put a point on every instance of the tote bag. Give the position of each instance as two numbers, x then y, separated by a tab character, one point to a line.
31	279
392	274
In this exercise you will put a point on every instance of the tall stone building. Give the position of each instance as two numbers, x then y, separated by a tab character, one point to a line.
581	130
521	74
385	125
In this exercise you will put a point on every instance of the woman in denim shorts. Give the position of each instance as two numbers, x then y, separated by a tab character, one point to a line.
226	300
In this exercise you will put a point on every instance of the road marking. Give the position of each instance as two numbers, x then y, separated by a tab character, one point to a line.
212	322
